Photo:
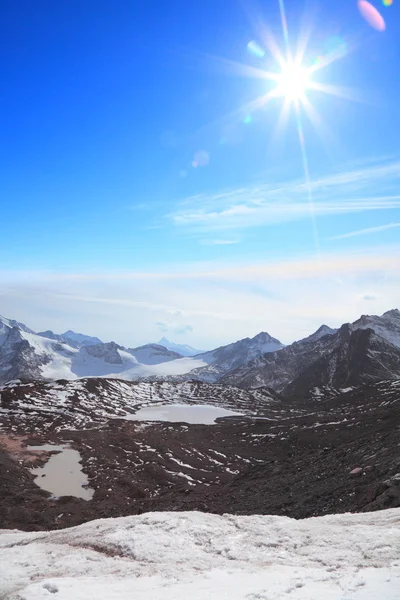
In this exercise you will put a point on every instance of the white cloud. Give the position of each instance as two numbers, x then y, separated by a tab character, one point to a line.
372	188
210	304
174	328
367	231
370	297
175	313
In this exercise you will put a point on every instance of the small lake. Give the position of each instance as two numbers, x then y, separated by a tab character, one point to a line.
199	414
62	474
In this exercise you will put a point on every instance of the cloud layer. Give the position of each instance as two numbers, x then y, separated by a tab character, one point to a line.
372	188
210	304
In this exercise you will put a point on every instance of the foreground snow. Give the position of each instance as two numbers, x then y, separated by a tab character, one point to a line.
173	556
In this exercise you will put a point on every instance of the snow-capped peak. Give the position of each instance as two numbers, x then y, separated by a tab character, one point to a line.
182	349
153	354
387	325
10	323
320	333
266	342
392	314
83	340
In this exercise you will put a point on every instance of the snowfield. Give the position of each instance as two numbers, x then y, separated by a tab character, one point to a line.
174	556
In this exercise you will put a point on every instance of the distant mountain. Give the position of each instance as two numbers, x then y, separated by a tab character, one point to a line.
153	354
387	326
321	332
359	357
12	323
50	335
348	355
76	340
80	338
26	356
227	358
364	351
182	349
19	358
277	369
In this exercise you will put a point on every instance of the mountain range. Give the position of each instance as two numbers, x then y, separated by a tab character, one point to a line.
182	349
300	430
364	351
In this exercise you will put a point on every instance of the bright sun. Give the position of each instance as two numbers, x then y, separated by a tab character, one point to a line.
292	82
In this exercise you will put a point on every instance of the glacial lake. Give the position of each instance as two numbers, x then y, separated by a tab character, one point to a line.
199	414
62	474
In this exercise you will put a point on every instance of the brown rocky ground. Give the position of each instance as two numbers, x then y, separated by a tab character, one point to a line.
298	465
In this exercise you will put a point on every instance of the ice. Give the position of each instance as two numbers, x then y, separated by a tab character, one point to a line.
177	413
176	556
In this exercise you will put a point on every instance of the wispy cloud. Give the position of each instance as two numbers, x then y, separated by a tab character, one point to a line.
367	259
219	242
367	231
370	297
220	302
372	188
176	328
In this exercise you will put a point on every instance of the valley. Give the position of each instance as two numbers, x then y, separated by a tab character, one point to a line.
279	457
303	430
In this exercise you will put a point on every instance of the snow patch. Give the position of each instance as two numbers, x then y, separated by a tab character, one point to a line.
175	556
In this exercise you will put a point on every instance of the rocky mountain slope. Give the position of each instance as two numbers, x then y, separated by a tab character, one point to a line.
336	453
96	400
26	356
350	356
360	357
228	358
153	354
321	332
328	357
75	340
386	326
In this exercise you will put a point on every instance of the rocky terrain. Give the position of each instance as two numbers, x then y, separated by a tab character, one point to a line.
303	430
334	451
359	352
366	350
26	356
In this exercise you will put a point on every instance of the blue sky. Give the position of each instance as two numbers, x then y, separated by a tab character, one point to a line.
104	108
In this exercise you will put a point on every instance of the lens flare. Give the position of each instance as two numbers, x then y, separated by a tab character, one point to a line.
371	15
255	49
201	159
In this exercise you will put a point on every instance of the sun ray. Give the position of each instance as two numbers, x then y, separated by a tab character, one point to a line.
285	29
338	91
296	82
325	134
302	46
291	77
273	47
282	119
238	68
303	149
